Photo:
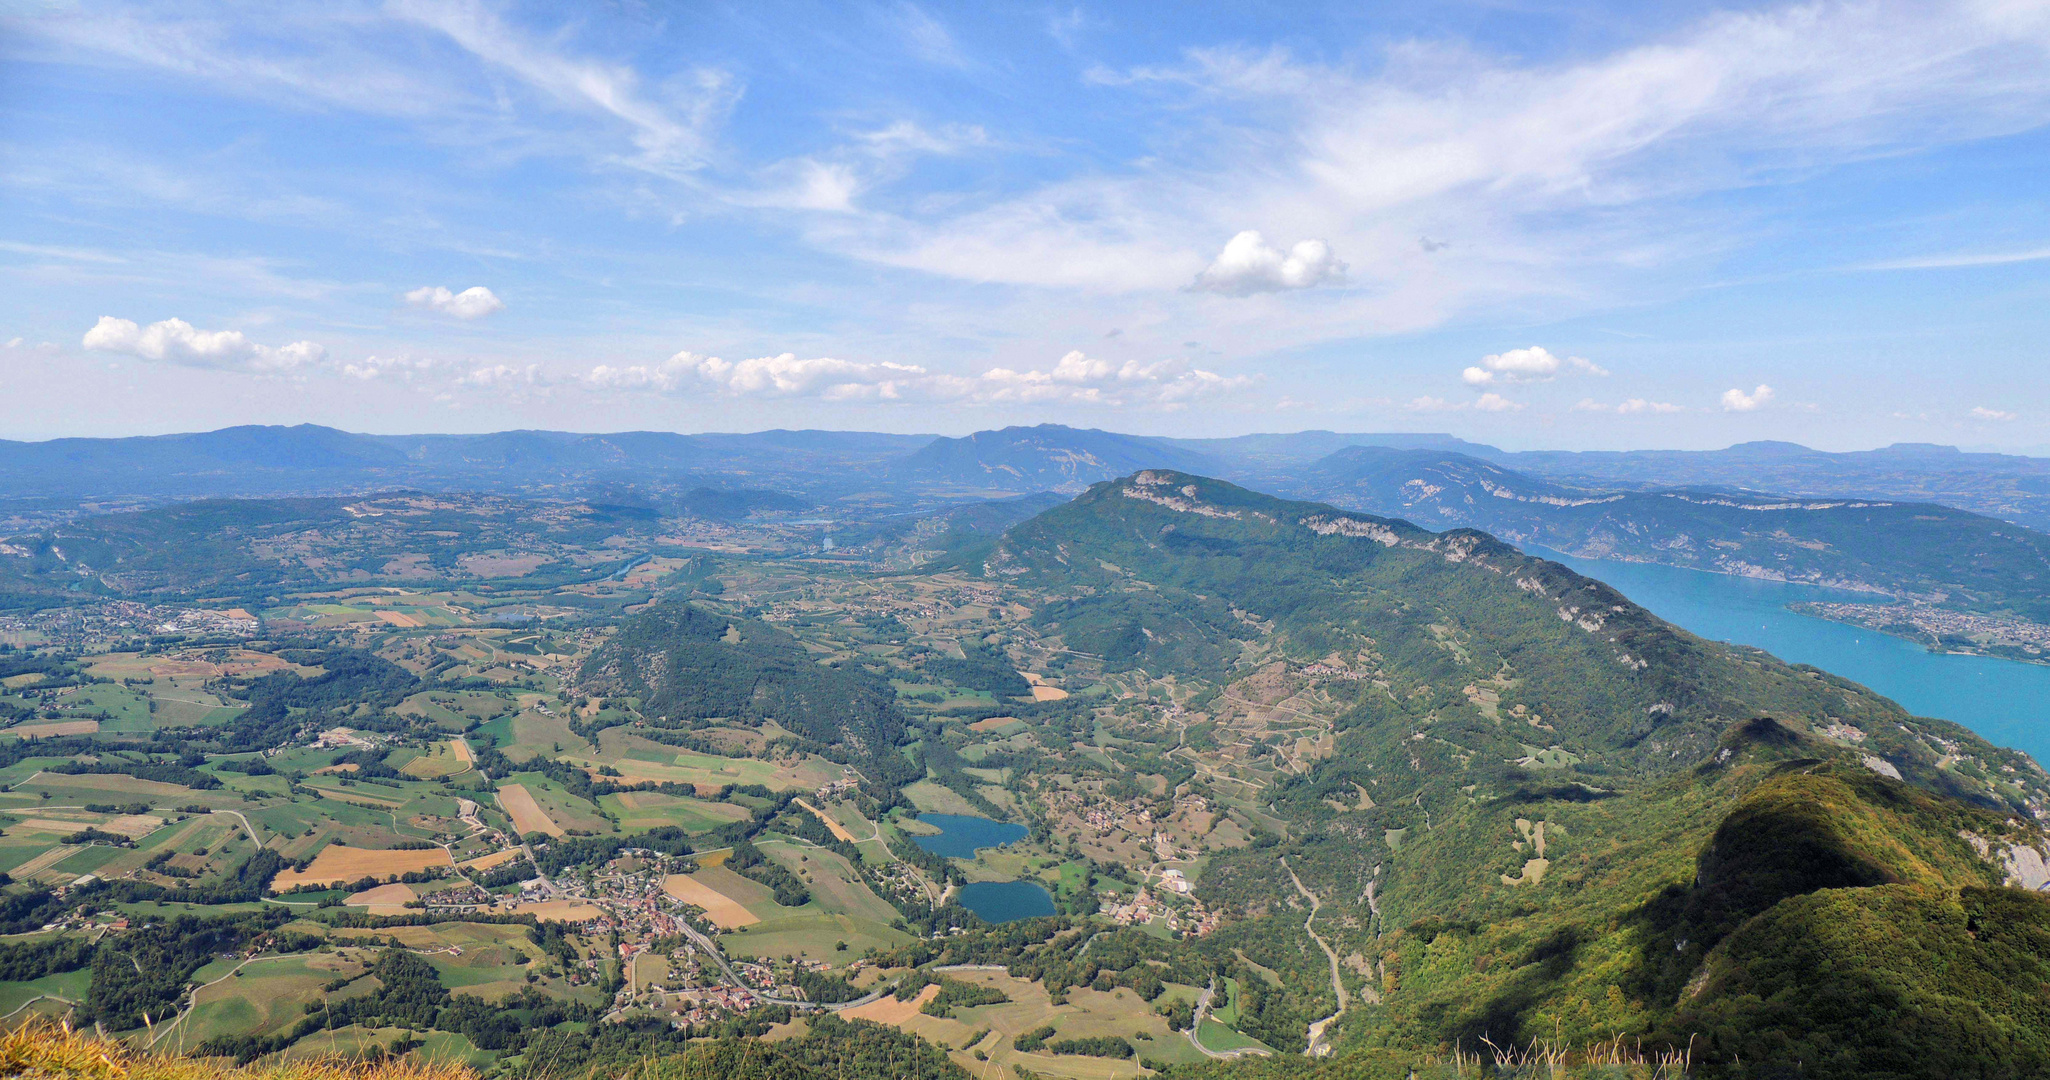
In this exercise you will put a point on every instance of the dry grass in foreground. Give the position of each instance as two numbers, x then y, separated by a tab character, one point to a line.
43	1049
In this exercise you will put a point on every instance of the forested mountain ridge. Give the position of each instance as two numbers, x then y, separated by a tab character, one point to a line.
1546	813
1170	570
1913	550
686	665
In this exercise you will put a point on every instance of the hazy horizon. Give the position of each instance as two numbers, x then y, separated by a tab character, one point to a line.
1504	445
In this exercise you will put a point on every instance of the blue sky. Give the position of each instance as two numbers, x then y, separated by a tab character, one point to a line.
1533	224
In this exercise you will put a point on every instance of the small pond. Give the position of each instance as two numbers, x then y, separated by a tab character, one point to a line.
961	835
1006	901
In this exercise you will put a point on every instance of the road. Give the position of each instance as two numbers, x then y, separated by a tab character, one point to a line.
1319	1047
1196	1024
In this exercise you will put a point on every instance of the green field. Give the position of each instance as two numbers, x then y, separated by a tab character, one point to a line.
1220	1038
641	810
570	812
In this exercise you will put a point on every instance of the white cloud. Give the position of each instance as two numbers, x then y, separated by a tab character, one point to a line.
1249	264
1488	402
1981	412
179	342
474	302
1627	408
405	368
1075	379
1535	364
496	375
1739	401
784	375
1081	379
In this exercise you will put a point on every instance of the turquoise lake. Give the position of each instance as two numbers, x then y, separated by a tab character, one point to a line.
1006	901
2005	701
961	835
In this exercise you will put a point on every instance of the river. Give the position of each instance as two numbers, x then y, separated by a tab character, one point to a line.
2005	701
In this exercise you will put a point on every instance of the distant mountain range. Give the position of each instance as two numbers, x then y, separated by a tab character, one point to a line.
308	459
1912	550
825	466
1048	457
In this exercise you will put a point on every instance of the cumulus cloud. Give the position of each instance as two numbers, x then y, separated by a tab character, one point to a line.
405	368
1739	401
784	375
500	375
1981	412
1488	402
1082	379
1535	364
176	341
472	303
1627	408
1076	378
1249	264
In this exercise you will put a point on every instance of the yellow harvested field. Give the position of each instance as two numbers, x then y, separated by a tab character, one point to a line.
385	896
724	911
337	864
527	814
134	826
462	750
399	619
560	910
43	862
992	723
496	858
1041	691
838	830
888	1010
61	727
38	824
